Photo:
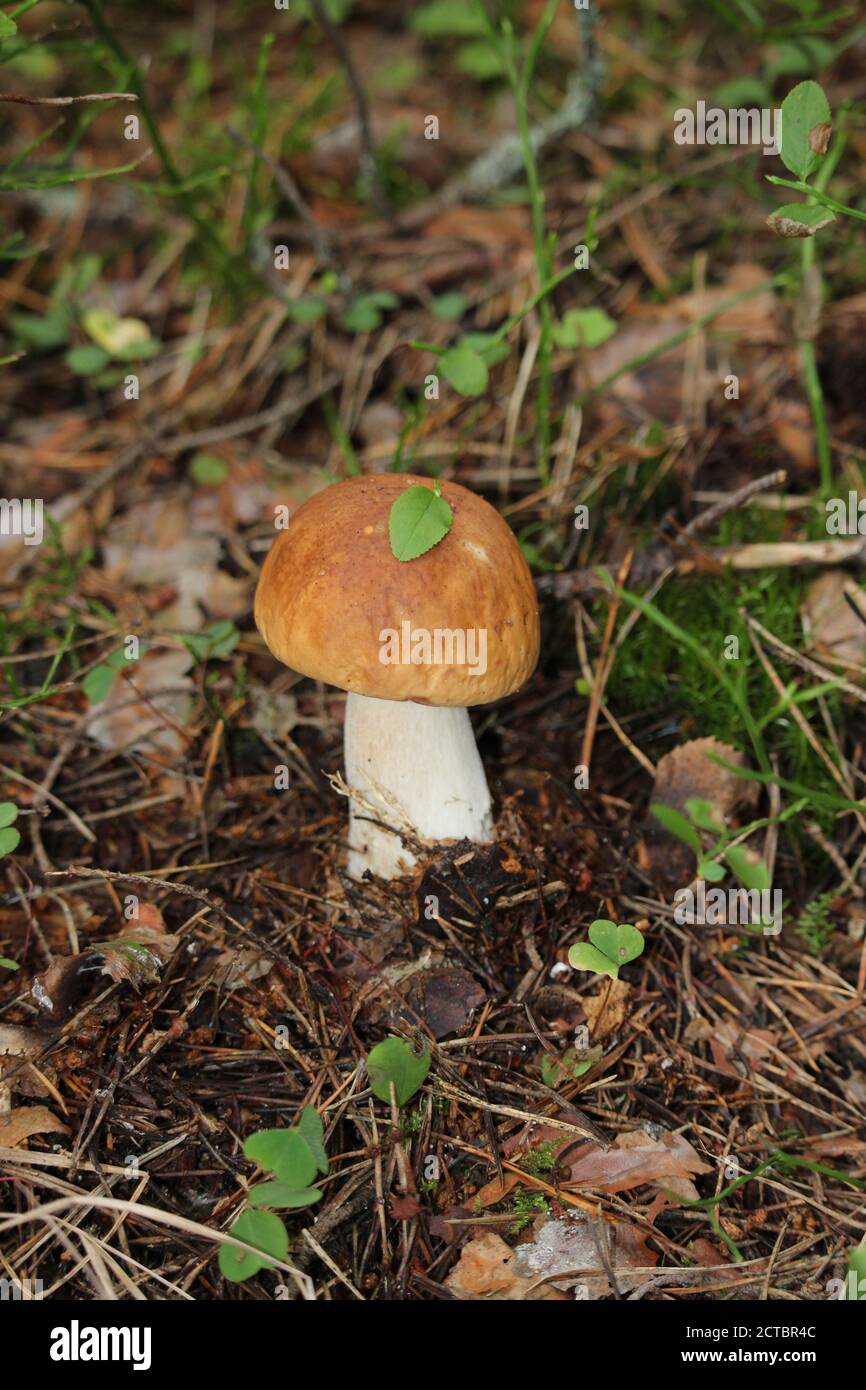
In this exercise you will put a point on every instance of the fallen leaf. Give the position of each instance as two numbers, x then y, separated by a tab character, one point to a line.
606	1011
17	1074
404	1208
170	542
570	1244
134	957
656	386
146	708
730	1044
445	999
688	772
497	1189
489	227
244	967
706	1253
791	425
634	1160
831	626
487	1270
17	1125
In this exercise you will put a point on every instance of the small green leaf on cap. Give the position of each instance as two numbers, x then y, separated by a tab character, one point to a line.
419	519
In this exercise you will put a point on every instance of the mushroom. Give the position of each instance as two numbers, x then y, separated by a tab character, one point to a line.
414	643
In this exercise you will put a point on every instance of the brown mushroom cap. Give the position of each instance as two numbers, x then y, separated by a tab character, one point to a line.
330	588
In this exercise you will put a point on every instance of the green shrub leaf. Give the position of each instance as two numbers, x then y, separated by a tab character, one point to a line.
309	1124
445	19
701	813
209	469
465	369
799	220
804	108
418	520
750	874
620	944
98	682
86	359
220	639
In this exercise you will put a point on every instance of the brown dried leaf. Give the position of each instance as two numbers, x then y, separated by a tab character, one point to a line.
606	1011
134	957
19	1124
571	1244
15	1045
487	1270
445	999
496	1190
688	772
684	773
730	1045
404	1208
633	1160
147	707
831	626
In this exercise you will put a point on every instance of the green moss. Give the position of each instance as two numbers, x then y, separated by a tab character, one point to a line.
525	1205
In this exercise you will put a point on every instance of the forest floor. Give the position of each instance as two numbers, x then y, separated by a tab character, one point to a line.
211	291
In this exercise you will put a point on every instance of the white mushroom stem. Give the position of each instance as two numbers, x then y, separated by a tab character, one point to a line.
412	766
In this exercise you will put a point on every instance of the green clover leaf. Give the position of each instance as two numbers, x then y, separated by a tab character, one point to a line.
611	946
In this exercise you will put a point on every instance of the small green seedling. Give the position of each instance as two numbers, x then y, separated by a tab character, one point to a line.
393	1063
98	682
208	469
558	1067
295	1156
366	313
609	947
854	1289
700	816
584	328
214	642
10	838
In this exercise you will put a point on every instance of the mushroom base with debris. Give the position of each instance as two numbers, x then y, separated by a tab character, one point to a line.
415	768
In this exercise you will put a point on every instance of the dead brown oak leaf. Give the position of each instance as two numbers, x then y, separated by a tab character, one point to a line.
636	1159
